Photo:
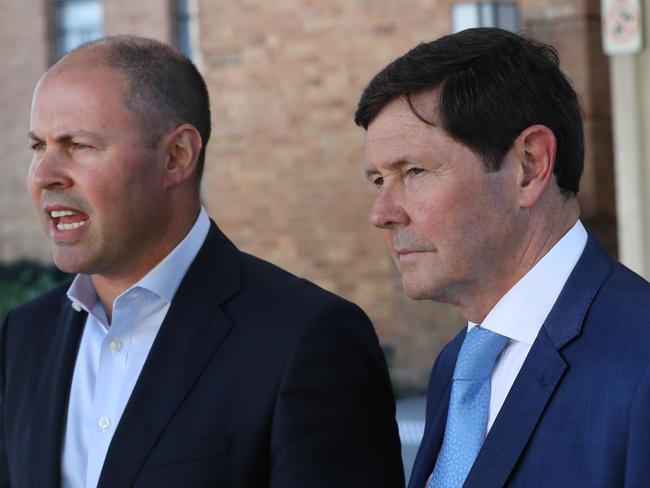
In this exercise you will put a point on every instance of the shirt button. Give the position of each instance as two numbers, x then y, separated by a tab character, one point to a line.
104	423
115	346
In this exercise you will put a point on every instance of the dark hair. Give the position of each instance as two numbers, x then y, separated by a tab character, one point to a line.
493	85
165	88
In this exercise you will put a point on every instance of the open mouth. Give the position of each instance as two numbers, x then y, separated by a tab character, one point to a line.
68	219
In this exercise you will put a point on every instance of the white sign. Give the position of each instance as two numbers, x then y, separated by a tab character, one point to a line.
622	26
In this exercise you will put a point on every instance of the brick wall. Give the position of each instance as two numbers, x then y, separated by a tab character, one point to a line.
25	51
284	170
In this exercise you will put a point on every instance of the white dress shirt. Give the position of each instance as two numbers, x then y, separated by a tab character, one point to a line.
111	356
520	313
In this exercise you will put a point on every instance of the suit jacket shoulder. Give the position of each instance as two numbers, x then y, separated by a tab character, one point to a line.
578	412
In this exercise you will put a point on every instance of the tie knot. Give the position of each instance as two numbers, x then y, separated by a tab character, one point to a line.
478	354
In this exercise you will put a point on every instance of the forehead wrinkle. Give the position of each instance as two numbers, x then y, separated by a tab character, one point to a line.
74	133
399	119
64	120
87	62
64	136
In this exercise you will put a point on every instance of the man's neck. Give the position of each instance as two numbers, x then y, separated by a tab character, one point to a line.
112	284
540	237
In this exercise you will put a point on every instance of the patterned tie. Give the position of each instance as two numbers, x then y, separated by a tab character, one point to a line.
468	407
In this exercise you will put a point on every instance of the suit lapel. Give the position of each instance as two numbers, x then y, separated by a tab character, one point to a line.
519	415
542	371
45	436
190	334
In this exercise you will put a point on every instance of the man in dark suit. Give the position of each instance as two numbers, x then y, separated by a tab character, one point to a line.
475	144
172	359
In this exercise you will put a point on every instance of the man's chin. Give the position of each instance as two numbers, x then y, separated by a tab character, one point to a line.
415	292
69	264
427	291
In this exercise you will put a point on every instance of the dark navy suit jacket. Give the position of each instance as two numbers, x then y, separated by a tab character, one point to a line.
578	413
256	378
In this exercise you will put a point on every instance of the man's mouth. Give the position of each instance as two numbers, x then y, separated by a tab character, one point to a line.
68	219
405	251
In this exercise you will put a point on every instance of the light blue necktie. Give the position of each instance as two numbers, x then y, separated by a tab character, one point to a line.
468	407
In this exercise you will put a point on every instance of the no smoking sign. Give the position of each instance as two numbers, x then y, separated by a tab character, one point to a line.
622	28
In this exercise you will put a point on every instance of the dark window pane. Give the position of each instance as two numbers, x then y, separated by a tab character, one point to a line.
76	22
184	19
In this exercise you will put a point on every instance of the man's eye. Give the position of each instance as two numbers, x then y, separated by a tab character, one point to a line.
36	146
76	146
414	171
378	182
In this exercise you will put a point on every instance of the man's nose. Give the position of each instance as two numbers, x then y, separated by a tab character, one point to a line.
47	171
387	212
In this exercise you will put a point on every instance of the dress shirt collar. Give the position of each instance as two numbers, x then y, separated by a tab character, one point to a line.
163	280
521	312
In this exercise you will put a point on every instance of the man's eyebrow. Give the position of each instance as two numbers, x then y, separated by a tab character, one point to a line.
63	137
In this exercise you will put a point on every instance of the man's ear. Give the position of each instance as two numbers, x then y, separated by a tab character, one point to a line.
182	146
535	149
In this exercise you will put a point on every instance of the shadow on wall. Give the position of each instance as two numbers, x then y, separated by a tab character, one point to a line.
23	280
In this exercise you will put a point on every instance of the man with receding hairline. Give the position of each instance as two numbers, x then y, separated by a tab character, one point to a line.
475	146
172	358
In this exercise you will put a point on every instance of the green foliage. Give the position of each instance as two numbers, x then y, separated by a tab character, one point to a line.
23	280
